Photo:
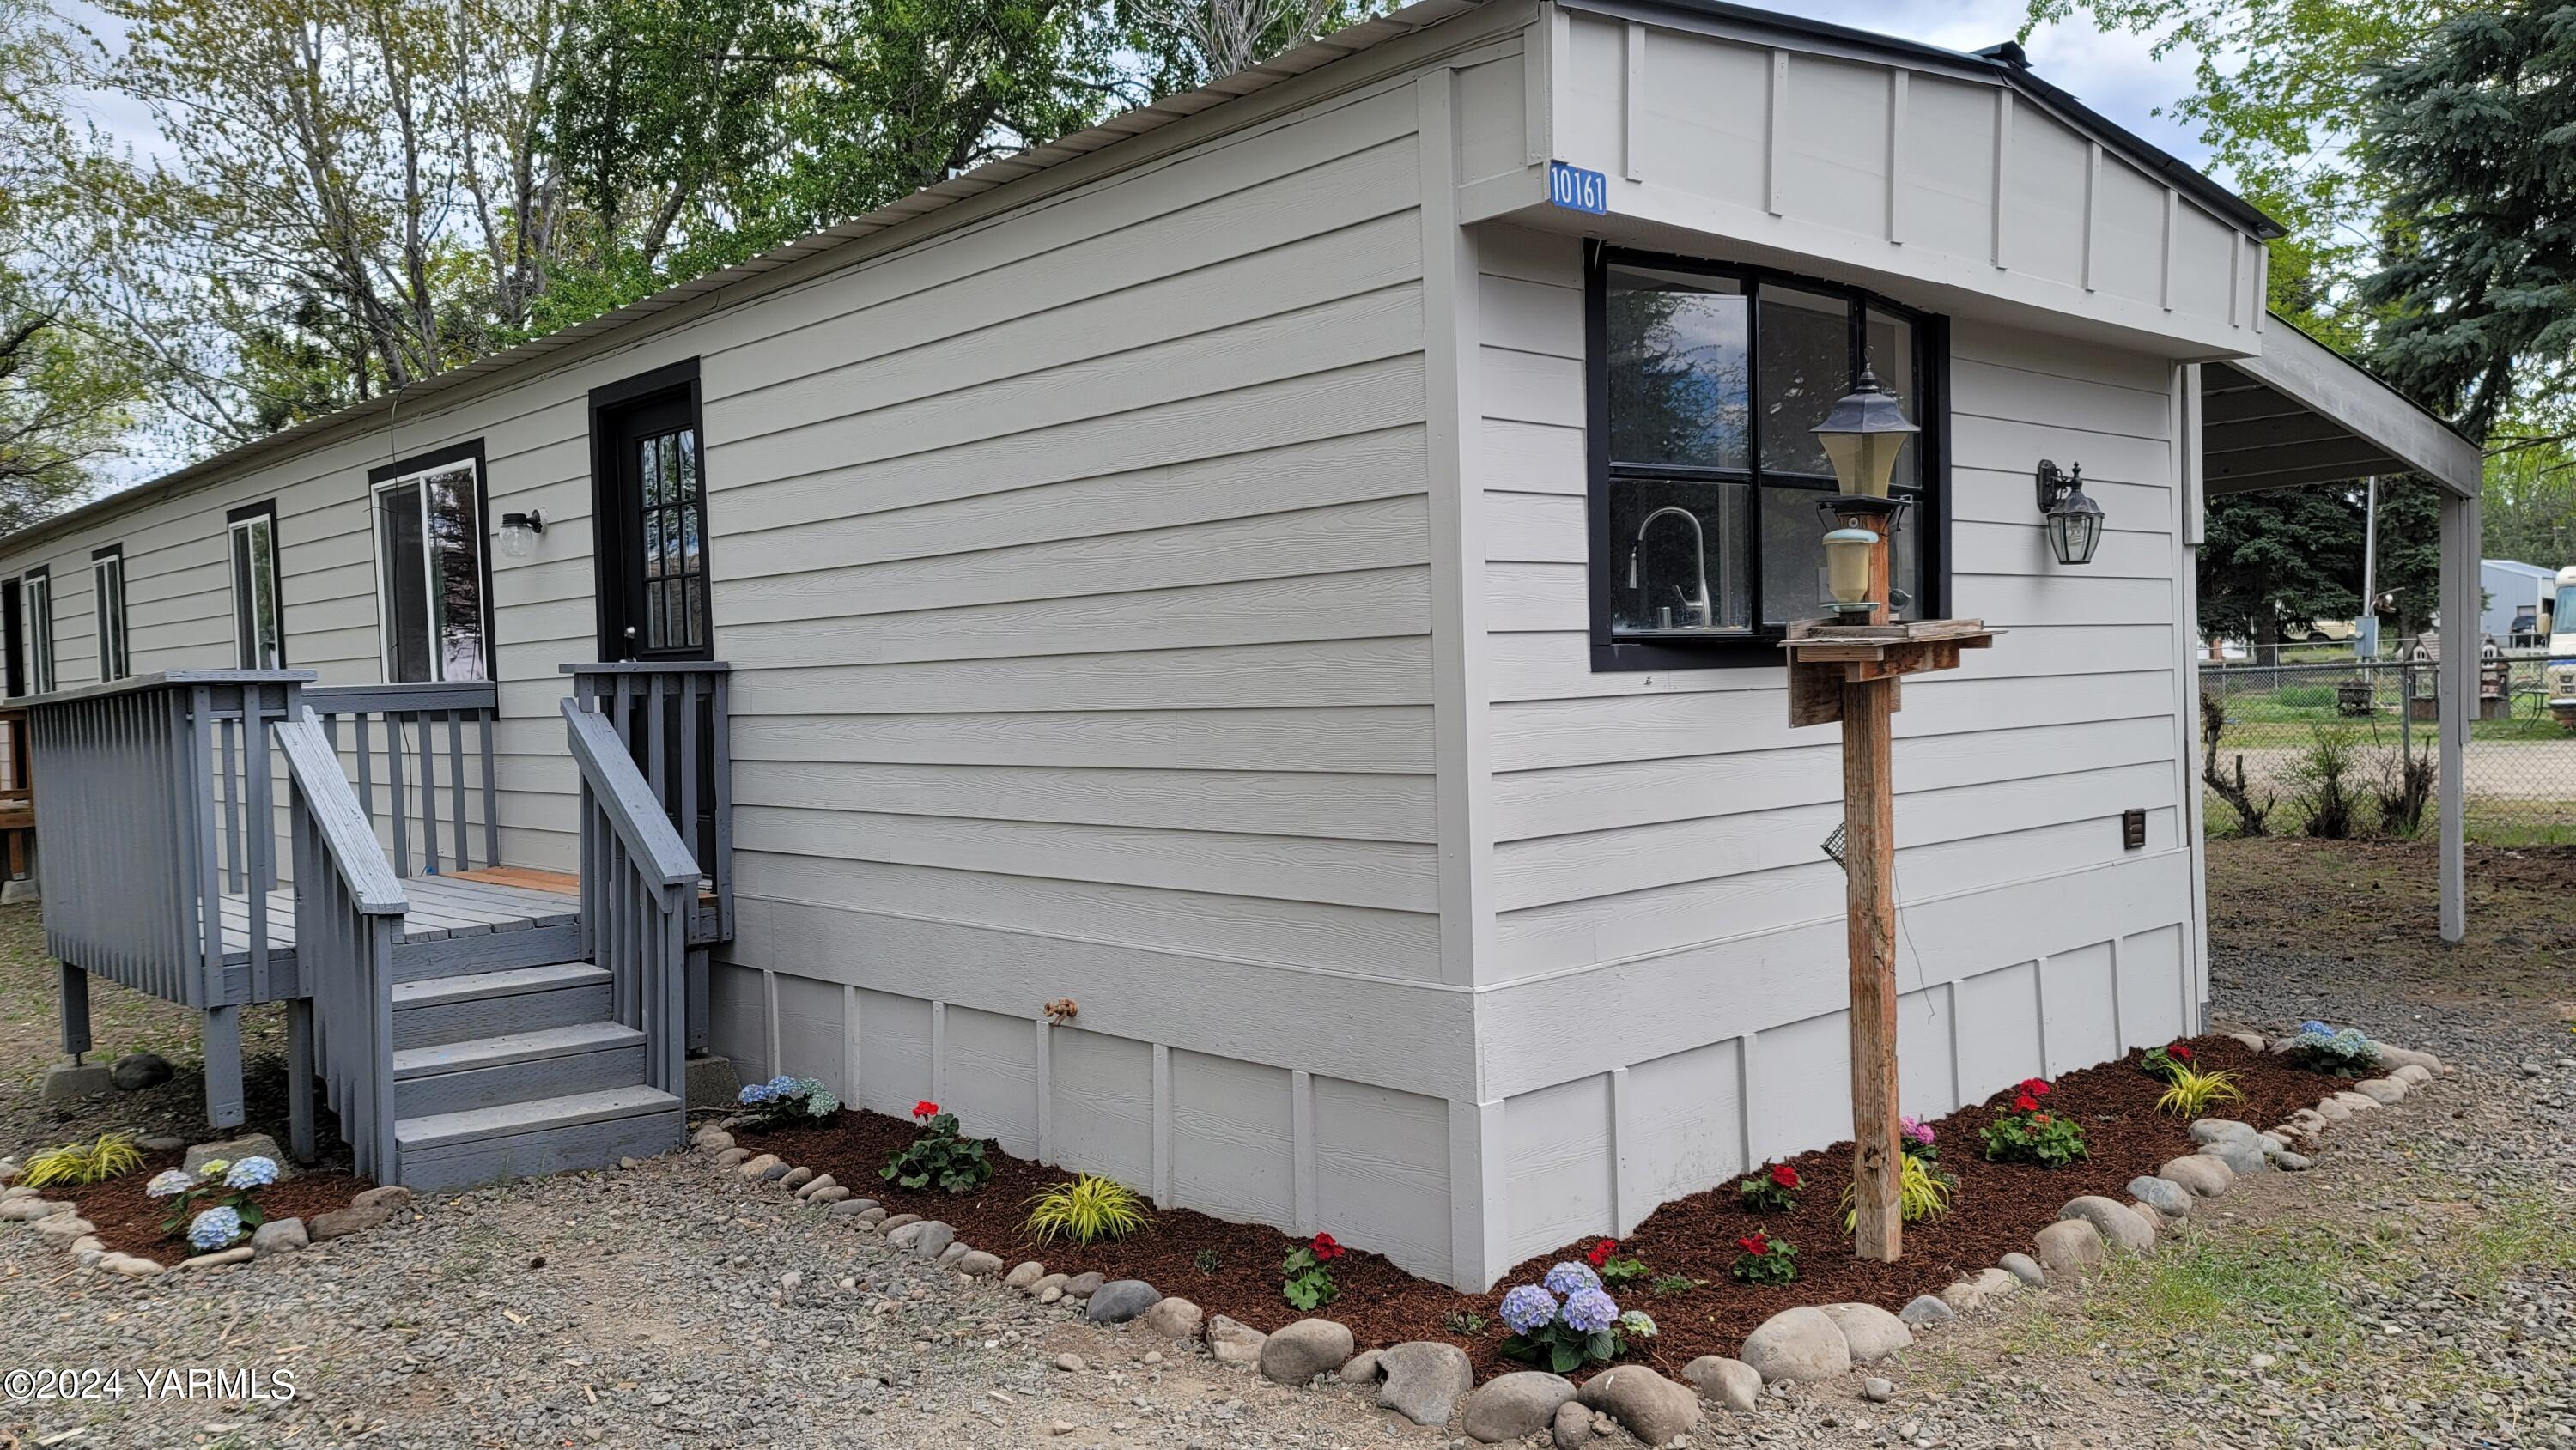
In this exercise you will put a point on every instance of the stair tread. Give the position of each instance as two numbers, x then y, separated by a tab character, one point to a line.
511	1047
476	986
565	1110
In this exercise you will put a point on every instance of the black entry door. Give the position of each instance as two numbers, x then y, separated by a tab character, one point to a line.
651	499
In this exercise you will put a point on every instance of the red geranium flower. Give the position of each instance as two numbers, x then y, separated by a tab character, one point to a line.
1325	1248
2040	1118
1757	1244
2178	1050
1784	1175
925	1109
2035	1086
2026	1104
1601	1252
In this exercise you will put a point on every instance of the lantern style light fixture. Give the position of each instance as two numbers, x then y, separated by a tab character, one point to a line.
520	532
2074	521
1862	436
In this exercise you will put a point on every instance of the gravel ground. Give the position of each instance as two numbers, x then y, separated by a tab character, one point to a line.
651	1307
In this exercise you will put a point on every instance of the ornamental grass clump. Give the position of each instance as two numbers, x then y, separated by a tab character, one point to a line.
1774	1191
2029	1133
940	1156
2193	1094
1567	1321
2343	1052
786	1102
1922	1192
212	1208
1305	1282
81	1164
1087	1210
1764	1260
2161	1063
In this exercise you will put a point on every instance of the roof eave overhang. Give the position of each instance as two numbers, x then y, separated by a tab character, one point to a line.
2302	413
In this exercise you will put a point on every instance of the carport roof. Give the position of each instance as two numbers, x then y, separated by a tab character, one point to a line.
2304	413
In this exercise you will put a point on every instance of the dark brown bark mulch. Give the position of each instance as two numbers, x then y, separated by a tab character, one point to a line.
129	1220
1998	1208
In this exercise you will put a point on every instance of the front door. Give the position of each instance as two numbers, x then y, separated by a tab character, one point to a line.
650	494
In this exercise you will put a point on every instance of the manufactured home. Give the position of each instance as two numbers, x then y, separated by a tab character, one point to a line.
1299	571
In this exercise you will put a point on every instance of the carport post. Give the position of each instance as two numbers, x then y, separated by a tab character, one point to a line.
2458	691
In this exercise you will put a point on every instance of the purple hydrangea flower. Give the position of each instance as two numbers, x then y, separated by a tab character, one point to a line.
1590	1311
1566	1278
1528	1309
214	1228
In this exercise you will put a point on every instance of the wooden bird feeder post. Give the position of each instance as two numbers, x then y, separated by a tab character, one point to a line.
1849	671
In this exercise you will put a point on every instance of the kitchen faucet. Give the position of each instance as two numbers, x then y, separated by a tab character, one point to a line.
1699	543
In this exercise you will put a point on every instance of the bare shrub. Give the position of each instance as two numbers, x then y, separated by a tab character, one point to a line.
2251	806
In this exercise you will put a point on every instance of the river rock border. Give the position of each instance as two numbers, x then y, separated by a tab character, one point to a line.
57	1223
1430	1381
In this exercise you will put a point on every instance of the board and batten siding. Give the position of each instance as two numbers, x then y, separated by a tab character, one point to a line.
1664	1007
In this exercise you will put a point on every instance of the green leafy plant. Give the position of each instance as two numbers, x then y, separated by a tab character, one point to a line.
1206	1261
1307	1284
2029	1133
1616	1269
1774	1190
1922	1192
1765	1260
939	1156
1087	1210
79	1164
2161	1063
1465	1322
2193	1094
1674	1284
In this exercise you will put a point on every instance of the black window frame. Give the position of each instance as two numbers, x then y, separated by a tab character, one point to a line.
435	460
43	663
620	588
1759	646
245	634
106	621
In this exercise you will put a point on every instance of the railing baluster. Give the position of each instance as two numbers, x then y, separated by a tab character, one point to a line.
394	792
456	787
491	793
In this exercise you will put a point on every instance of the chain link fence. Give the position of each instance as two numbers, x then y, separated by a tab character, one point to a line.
2325	749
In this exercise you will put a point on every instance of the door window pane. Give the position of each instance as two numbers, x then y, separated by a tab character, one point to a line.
36	600
107	578
670	555
1677	372
1805	365
1681	543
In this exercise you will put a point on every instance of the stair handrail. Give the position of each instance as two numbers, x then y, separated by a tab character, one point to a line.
637	878
349	908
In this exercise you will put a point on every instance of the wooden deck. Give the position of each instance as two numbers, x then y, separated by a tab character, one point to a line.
467	903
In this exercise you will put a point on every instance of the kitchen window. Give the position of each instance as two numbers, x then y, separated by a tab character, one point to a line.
429	567
107	601
259	633
36	607
1705	381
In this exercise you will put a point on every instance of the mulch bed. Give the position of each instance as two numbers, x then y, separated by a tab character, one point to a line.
129	1220
1999	1207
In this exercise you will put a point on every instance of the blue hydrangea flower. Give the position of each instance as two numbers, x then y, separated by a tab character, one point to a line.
783	1084
1566	1278
169	1183
822	1103
2319	1028
214	1228
1528	1309
1590	1311
1637	1324
255	1171
754	1094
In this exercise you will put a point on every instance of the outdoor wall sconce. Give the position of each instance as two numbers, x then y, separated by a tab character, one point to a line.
520	532
2074	521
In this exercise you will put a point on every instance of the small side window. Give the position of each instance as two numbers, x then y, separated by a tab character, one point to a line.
259	630
36	607
107	605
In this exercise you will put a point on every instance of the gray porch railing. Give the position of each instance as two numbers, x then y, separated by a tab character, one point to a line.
399	735
676	724
349	909
158	801
638	882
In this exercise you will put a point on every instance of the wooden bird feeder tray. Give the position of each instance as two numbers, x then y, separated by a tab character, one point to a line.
1824	657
